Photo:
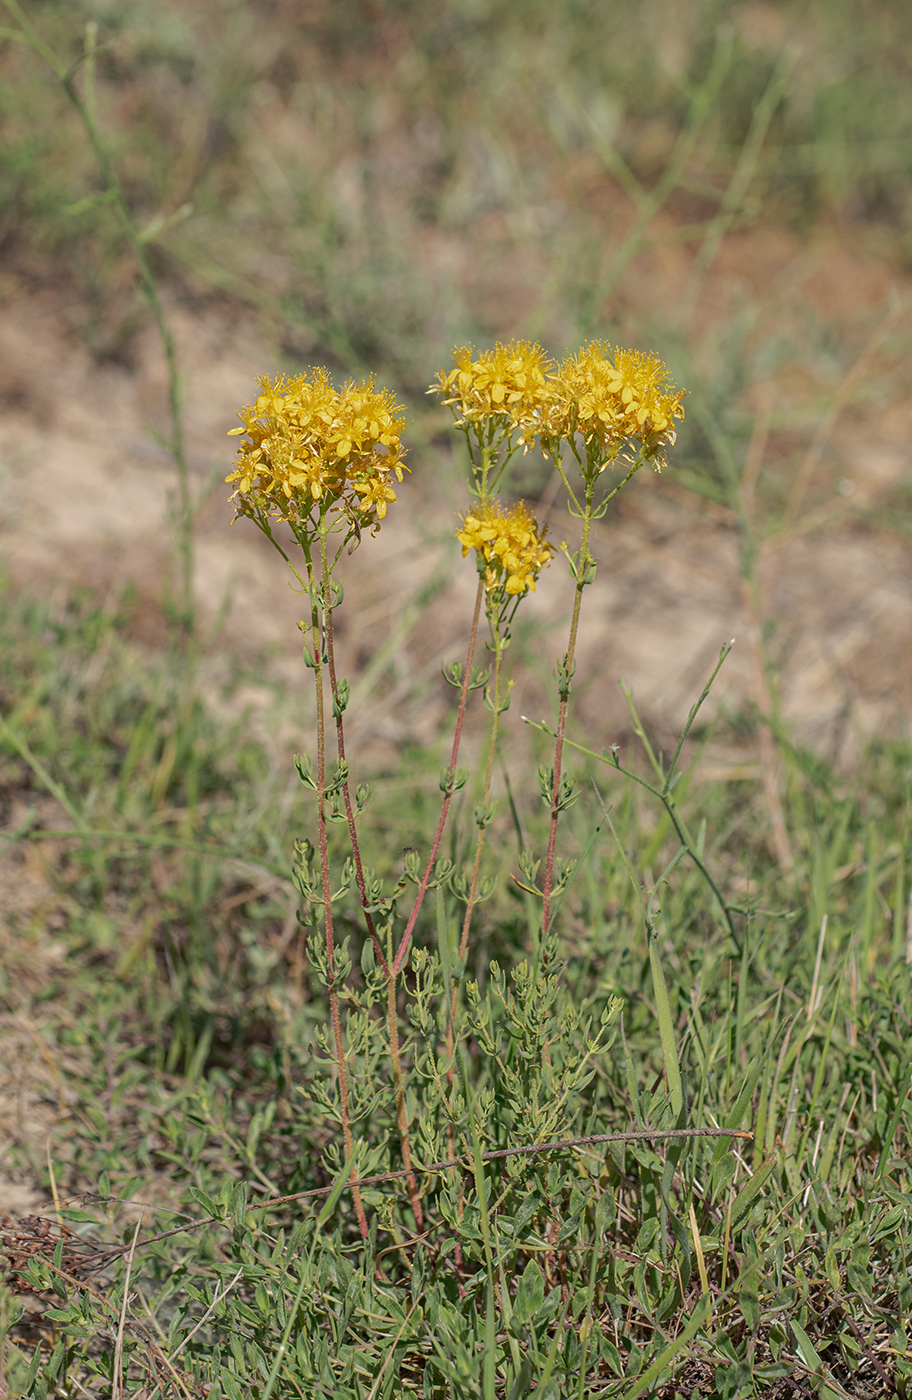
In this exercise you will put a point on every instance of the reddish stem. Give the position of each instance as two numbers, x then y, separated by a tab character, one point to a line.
457	738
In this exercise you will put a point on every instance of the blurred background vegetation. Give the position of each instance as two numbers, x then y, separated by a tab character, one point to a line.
381	179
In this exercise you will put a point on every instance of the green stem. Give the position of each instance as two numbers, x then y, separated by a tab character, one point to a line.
566	678
497	709
486	793
668	802
392	1015
335	1014
401	1107
346	790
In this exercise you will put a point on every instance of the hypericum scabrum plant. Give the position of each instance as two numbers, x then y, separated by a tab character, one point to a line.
323	460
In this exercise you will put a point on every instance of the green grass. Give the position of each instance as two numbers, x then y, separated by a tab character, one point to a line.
176	1017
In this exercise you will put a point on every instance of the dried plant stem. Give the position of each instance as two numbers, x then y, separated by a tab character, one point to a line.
104	1304
565	682
498	1155
855	376
335	1014
117	1376
448	796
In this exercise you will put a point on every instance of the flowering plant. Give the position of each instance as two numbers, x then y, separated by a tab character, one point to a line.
323	461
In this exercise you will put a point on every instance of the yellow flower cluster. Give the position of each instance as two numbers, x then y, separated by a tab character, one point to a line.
307	443
508	382
511	544
611	399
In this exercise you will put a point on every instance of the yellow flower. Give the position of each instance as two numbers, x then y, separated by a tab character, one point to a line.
613	399
511	544
306	442
507	383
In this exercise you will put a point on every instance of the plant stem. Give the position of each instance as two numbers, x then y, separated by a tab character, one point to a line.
488	452
335	1015
392	1016
485	796
346	791
566	678
473	888
482	832
457	738
664	796
401	1109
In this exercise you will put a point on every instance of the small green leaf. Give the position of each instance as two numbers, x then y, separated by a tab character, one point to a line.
339	1186
208	1204
749	1300
806	1349
530	1294
666	1028
605	1212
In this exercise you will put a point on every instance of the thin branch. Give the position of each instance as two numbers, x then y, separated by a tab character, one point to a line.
346	789
448	797
318	629
117	1376
853	378
562	1144
219	1297
668	803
